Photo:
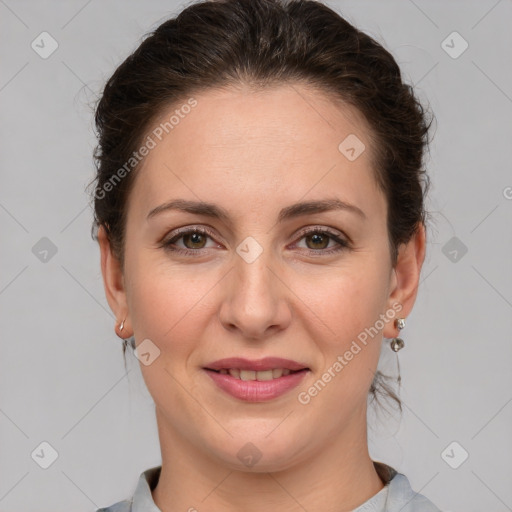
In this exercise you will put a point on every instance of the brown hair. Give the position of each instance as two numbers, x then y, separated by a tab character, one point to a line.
260	43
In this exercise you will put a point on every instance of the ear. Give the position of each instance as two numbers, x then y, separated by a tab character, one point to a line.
113	283
405	278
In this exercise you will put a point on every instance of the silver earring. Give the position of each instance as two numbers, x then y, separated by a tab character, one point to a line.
397	344
121	326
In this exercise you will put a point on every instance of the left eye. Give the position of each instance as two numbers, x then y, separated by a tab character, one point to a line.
320	239
196	236
317	241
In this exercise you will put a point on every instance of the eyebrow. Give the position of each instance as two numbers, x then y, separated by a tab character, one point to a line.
287	213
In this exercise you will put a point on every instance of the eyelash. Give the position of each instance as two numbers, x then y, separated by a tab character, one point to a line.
342	244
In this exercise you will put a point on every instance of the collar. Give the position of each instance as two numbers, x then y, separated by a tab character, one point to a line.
396	496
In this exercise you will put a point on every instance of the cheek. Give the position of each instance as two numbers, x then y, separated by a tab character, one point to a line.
167	303
349	303
349	300
168	308
349	307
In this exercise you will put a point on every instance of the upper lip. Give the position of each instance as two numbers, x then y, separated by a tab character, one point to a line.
267	363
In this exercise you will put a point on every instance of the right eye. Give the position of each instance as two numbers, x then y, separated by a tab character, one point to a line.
193	239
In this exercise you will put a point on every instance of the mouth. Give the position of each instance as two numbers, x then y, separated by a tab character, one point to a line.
260	375
256	380
267	368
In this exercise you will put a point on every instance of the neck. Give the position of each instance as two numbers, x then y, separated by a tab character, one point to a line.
339	477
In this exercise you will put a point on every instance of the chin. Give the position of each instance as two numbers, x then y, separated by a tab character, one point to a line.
265	464
260	454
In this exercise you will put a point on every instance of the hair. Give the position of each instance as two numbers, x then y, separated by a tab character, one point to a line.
263	43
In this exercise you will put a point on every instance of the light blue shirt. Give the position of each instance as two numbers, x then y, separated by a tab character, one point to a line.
396	496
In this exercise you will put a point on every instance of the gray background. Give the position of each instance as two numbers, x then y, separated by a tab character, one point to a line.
62	378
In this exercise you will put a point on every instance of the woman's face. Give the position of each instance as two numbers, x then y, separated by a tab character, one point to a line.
269	279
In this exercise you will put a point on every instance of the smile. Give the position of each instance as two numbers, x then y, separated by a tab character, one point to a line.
256	386
262	375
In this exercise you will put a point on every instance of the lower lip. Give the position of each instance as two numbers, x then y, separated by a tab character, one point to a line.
255	390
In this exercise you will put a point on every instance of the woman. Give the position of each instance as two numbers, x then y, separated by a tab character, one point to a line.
260	211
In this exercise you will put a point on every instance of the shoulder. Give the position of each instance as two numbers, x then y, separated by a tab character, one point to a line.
121	506
404	499
141	501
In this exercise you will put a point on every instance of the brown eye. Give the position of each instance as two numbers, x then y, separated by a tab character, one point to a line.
188	241
196	239
318	241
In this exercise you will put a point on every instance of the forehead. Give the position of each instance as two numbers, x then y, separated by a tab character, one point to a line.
257	144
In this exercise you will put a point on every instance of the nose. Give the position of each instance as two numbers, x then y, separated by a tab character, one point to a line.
256	300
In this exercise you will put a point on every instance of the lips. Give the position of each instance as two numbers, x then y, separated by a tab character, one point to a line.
260	375
259	365
256	380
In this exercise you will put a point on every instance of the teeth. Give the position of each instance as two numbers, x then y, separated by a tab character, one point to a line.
234	372
277	372
247	375
254	375
264	375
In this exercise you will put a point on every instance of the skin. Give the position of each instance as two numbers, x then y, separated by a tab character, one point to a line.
253	153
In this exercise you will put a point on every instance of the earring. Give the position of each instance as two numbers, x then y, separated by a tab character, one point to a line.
120	329
397	344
